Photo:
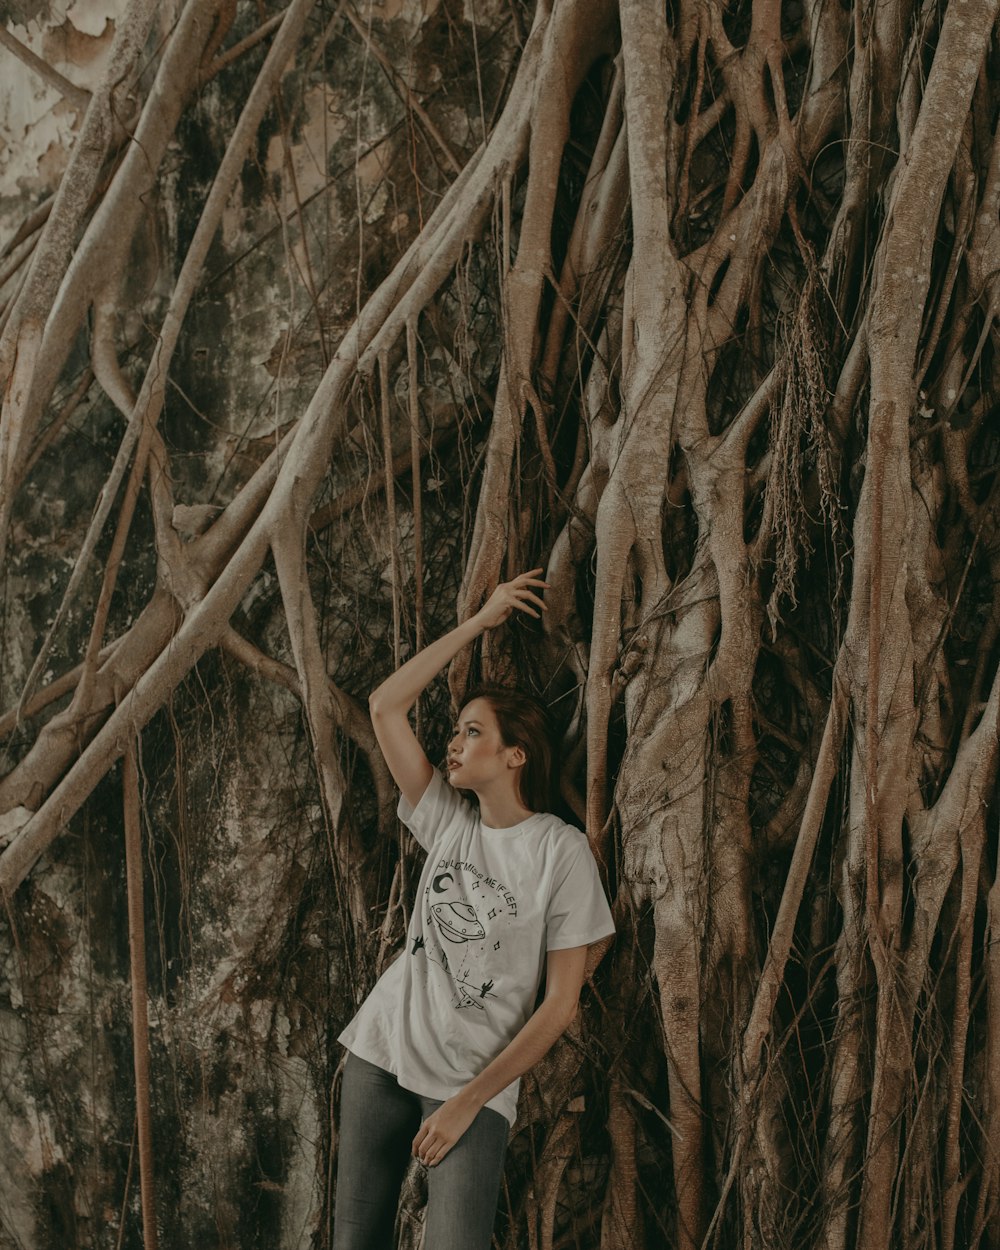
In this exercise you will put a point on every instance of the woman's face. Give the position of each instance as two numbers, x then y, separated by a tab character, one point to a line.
477	757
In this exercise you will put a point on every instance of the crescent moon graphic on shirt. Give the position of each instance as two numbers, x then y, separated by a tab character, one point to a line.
438	887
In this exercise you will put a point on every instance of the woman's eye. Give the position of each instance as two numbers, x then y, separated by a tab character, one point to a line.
474	731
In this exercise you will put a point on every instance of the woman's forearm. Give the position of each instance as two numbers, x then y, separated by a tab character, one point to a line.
445	1126
400	690
534	1040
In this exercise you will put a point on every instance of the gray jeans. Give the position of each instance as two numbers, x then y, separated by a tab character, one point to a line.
378	1122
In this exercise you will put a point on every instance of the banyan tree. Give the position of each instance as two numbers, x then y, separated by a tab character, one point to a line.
319	319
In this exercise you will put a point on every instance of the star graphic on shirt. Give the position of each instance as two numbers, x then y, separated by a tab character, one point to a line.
418	942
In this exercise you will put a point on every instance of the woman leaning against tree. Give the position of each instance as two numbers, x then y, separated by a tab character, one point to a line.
509	895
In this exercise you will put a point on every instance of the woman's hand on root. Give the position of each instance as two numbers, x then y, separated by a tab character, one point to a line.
508	596
442	1129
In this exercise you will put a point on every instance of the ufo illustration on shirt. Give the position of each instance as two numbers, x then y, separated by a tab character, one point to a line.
458	922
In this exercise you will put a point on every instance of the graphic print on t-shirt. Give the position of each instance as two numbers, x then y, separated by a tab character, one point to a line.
466	917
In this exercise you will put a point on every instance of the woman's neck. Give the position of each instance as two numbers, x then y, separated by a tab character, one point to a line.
500	809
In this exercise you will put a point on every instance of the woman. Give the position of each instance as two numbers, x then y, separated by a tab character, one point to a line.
509	893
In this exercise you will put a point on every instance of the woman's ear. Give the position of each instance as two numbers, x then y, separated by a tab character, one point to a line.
517	757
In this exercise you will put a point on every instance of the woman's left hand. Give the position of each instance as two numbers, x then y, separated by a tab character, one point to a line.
442	1129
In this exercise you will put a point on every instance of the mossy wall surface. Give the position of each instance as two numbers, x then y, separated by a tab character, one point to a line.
248	976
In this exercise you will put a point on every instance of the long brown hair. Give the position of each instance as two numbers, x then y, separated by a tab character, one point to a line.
524	722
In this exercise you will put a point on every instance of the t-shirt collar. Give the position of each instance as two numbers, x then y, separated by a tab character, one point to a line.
510	831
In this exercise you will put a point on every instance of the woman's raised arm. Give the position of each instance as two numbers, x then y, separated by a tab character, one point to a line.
390	703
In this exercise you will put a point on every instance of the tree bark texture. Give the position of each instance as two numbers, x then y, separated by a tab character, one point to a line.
319	319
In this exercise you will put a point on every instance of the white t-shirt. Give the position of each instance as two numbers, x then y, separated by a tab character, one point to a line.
490	903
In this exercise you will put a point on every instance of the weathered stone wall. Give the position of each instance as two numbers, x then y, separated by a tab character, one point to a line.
245	945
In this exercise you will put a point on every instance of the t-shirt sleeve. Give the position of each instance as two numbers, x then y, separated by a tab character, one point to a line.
578	911
438	807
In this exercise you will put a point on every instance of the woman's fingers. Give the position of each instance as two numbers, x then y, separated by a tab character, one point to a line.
518	593
535	599
427	1149
529	579
526	595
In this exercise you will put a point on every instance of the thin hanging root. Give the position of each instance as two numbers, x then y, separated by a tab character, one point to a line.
988	1209
490	534
388	941
684	182
140	1000
506	235
556	1155
305	270
598	218
615	535
324	716
151	451
677	977
445	431
58	424
973	839
160	655
782	934
390	501
621	1224
417	495
877	935
407	96
541	413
